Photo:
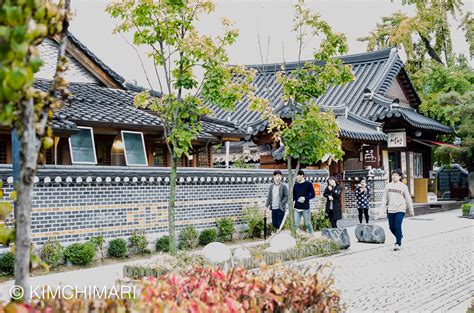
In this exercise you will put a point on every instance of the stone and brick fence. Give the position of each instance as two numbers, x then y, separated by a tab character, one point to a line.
74	203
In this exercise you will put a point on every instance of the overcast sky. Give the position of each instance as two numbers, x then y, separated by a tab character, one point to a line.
267	18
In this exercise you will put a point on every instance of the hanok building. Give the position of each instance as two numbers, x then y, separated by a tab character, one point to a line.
108	173
99	125
377	113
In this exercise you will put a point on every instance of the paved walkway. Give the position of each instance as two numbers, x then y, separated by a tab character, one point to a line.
432	272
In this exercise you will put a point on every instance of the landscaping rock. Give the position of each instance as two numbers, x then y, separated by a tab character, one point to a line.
339	235
216	252
370	233
471	212
281	242
242	253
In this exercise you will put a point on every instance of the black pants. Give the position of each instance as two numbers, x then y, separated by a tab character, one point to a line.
277	218
333	221
366	213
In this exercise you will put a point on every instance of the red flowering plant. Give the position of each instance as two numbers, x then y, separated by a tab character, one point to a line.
274	288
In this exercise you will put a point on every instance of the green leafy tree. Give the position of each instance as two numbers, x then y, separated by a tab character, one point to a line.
311	135
426	35
179	51
23	26
443	80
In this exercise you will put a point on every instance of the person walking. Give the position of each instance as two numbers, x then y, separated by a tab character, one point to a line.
303	191
362	193
277	199
333	204
396	200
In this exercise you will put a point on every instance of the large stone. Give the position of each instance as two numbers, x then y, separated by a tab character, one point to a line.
338	235
242	253
281	242
216	252
470	179
471	211
370	233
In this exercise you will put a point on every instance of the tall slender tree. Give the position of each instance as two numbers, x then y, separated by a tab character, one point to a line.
179	51
23	26
311	135
443	79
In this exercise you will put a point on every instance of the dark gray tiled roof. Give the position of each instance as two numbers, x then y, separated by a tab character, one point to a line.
381	108
351	128
92	104
375	71
416	119
218	127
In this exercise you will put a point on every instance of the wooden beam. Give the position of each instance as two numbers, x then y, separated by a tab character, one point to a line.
230	139
90	65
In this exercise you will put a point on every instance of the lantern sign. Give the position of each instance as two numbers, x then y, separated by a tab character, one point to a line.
397	140
371	156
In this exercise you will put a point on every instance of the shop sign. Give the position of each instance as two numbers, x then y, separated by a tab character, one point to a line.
397	140
371	156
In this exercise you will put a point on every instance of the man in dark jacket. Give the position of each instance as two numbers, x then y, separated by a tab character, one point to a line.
277	199
303	191
333	204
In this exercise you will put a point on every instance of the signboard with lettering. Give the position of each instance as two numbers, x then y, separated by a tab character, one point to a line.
396	140
371	156
317	189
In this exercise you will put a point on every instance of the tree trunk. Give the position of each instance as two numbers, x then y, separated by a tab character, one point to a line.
291	183
28	159
431	52
171	204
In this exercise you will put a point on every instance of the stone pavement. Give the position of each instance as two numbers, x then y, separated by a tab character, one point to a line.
432	272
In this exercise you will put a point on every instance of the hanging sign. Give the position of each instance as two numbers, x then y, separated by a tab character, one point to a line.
397	140
371	156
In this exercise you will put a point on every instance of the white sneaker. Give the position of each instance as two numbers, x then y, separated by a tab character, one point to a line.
397	247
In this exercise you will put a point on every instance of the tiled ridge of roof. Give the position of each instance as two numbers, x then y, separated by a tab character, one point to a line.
381	108
79	45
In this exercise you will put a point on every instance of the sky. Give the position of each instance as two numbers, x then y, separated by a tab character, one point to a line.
268	19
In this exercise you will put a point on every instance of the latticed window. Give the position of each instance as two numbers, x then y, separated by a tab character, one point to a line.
104	153
158	156
49	156
3	152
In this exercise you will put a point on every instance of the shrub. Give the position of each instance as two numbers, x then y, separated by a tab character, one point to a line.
274	289
188	238
7	263
99	242
117	248
207	236
226	227
139	242
163	244
253	217
466	208
319	220
52	253
80	253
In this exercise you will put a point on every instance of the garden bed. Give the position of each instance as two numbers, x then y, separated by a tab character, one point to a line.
306	247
